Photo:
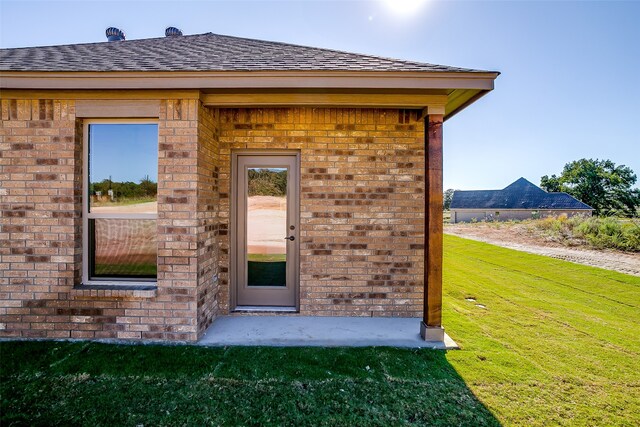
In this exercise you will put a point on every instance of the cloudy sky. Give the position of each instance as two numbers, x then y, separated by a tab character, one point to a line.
570	70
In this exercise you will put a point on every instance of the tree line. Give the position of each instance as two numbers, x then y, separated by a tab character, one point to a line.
267	182
146	188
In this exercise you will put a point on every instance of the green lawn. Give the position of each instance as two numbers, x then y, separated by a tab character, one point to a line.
267	257
558	343
118	270
554	344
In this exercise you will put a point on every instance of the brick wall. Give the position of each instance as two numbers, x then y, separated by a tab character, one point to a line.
362	204
177	221
40	249
207	215
41	229
361	230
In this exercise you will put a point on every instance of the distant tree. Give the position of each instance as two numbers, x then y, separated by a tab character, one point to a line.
448	196
599	183
551	183
267	182
148	188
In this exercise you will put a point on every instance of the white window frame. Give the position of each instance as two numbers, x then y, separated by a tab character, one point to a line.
86	215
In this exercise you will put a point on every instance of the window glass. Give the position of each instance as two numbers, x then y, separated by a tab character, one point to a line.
123	248
122	187
123	168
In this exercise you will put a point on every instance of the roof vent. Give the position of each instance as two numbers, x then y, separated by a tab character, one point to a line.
172	32
114	34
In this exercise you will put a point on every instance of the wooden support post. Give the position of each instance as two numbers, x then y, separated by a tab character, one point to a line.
431	326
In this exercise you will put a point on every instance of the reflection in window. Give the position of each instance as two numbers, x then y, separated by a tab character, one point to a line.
123	248
122	187
123	168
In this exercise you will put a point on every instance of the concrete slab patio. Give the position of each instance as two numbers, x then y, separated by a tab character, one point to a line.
289	331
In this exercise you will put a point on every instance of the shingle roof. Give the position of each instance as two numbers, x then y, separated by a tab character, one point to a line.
522	194
201	52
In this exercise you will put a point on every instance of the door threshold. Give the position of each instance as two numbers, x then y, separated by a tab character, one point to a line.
264	309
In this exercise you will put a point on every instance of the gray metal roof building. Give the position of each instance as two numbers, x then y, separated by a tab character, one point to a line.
521	194
519	200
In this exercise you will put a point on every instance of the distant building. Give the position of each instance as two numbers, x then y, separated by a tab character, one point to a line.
520	200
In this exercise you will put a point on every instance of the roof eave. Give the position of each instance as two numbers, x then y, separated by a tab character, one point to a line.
245	79
461	88
469	98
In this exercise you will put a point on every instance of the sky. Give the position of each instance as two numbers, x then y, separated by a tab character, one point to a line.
123	152
570	71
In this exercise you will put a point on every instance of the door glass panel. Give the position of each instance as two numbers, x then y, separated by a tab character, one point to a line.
266	226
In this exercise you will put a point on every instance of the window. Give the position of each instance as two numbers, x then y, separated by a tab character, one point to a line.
120	202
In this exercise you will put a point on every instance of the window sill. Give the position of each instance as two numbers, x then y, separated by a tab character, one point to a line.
130	290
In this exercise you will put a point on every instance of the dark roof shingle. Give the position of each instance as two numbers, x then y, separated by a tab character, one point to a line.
521	194
201	52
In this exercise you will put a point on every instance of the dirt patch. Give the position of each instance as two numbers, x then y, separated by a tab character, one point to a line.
147	207
518	237
267	225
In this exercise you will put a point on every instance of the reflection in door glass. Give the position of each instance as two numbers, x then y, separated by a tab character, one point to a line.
266	226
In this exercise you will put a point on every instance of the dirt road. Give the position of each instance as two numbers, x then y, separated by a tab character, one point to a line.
148	207
266	225
628	263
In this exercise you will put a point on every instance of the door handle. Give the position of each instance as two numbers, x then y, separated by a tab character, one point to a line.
292	238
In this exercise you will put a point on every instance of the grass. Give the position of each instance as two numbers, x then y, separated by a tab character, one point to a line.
557	343
94	384
544	342
610	233
267	257
137	270
597	232
621	234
